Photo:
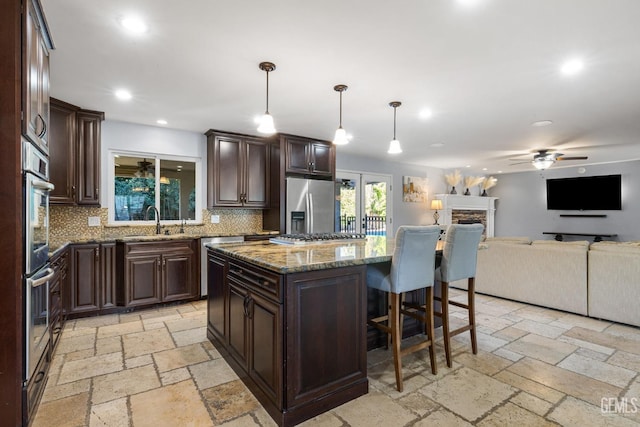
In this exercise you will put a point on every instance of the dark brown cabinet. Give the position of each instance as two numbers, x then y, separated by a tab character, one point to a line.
75	154
36	72
306	156
238	171
155	272
92	285
57	288
320	315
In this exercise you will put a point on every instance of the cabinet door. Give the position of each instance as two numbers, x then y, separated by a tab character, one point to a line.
237	324
177	276
85	277
216	296
62	153
322	159
36	95
108	275
142	280
297	155
89	124
265	346
256	174
227	172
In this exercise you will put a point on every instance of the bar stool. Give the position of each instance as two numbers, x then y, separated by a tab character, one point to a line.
412	268
459	259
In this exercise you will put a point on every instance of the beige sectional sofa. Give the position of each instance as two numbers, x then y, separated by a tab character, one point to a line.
543	272
614	281
600	280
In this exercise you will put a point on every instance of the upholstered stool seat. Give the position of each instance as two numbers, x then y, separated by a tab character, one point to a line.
459	259
412	268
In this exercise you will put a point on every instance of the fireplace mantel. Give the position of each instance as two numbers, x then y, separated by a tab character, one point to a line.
451	202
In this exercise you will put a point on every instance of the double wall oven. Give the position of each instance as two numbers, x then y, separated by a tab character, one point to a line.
37	272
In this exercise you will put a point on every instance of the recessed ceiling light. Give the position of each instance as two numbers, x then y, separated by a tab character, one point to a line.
499	171
134	25
426	114
161	122
572	66
468	3
484	169
437	145
541	123
123	94
468	166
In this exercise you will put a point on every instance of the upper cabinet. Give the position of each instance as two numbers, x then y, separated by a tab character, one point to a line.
309	157
35	123
237	170
74	154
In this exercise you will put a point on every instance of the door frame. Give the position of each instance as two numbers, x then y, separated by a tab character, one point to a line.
361	178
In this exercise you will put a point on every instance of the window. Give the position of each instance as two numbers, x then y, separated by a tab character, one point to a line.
141	183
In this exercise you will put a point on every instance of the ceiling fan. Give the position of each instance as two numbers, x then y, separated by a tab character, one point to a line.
543	159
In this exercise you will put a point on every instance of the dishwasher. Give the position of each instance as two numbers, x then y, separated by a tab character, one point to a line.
203	254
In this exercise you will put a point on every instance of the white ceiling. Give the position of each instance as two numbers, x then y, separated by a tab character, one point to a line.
486	71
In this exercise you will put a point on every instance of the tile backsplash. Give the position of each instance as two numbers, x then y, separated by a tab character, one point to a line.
68	223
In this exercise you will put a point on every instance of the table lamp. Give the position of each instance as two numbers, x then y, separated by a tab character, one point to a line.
435	205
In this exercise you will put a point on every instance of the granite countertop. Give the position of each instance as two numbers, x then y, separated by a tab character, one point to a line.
285	259
57	248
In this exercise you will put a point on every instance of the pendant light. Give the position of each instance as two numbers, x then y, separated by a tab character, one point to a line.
394	146
341	135
266	122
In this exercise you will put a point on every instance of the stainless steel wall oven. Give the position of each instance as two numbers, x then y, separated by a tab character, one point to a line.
36	249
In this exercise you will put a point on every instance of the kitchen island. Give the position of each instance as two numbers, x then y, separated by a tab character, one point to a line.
291	320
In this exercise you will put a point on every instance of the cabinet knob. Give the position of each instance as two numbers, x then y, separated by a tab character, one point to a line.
97	254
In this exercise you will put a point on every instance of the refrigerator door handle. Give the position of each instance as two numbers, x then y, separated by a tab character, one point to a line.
311	213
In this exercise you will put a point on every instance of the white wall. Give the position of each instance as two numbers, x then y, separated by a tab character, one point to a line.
150	139
404	213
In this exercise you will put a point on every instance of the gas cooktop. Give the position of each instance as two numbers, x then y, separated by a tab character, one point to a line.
306	239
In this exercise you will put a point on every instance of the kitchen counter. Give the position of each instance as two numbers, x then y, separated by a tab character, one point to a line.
284	259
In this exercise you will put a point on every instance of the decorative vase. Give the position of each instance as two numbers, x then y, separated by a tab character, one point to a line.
453	190
484	193
467	192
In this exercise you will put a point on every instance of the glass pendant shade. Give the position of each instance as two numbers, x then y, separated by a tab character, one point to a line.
543	164
341	137
266	124
394	147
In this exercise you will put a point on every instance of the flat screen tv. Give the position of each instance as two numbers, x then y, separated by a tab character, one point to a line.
587	193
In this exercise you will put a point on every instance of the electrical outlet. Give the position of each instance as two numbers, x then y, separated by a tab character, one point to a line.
215	219
94	221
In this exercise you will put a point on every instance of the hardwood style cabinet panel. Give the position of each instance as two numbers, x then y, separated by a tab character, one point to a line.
309	157
75	154
57	289
92	284
62	153
237	170
302	354
216	296
154	272
36	72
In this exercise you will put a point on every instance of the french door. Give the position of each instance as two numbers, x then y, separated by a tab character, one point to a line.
365	203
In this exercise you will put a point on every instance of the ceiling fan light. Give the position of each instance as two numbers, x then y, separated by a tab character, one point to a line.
340	137
542	164
266	124
394	147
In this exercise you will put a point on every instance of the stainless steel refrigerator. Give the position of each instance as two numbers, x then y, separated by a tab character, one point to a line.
310	206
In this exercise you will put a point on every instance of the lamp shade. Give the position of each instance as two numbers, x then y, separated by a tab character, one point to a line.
436	204
394	147
341	137
543	163
266	124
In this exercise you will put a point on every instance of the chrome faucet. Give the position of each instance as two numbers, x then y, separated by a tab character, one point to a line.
146	216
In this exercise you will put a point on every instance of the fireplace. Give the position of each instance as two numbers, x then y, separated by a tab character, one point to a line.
460	209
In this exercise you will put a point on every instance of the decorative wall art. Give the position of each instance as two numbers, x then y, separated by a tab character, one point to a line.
414	189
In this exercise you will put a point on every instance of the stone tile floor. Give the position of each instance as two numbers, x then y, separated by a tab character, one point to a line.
535	367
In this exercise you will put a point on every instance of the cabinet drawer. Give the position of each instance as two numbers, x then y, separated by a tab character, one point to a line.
261	281
157	247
